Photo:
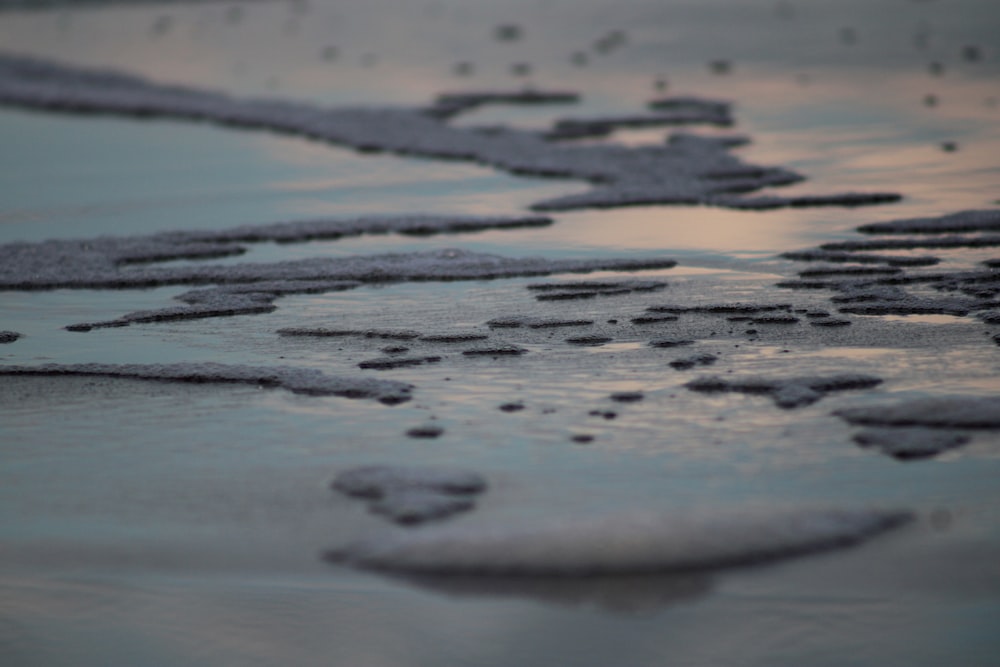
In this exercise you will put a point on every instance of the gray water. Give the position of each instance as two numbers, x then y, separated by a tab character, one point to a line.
175	524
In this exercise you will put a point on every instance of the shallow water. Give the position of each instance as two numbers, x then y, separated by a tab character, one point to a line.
177	524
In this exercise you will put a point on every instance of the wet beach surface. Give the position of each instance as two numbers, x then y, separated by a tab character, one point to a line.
324	342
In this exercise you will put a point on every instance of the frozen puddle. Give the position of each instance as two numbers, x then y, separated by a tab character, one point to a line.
630	543
688	169
296	380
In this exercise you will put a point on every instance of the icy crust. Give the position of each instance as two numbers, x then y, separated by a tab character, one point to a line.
633	543
687	170
411	495
8	336
296	380
944	412
789	392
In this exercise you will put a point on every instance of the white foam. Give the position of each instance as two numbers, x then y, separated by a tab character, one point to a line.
251	288
687	170
411	495
941	412
638	542
296	380
963	221
908	443
786	392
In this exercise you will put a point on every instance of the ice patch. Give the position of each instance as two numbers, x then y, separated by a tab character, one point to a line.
943	412
631	543
687	170
786	393
296	380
